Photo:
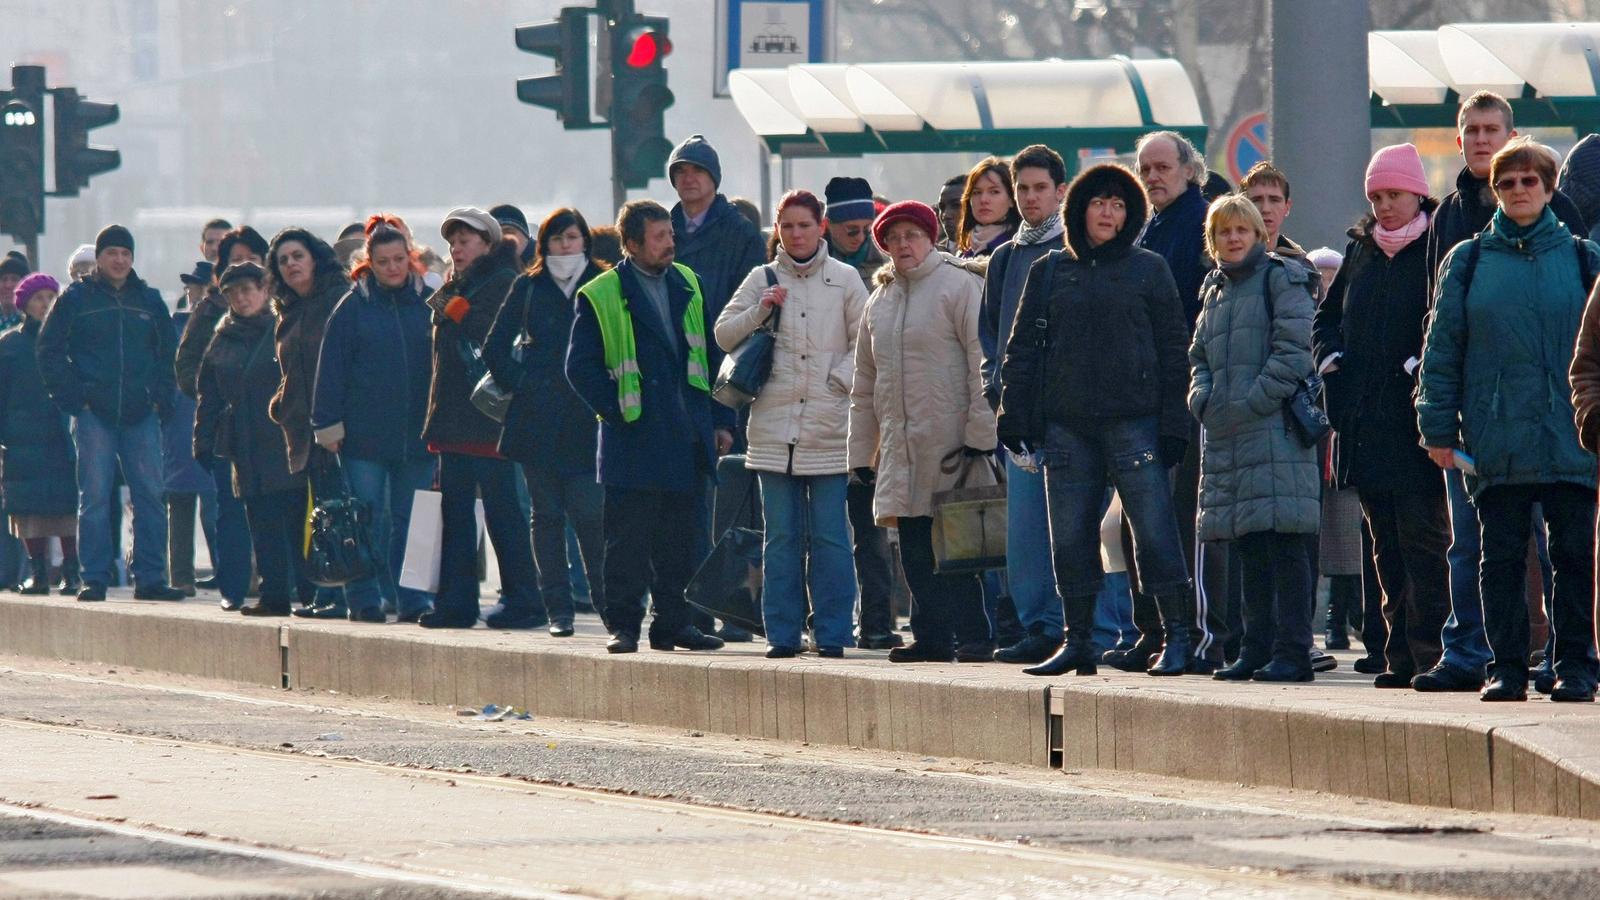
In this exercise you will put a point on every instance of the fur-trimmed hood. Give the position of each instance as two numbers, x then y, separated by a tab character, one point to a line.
979	267
1099	181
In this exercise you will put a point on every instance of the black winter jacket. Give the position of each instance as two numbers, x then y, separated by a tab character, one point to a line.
373	372
238	376
1117	341
722	251
452	419
109	350
1374	314
548	424
41	477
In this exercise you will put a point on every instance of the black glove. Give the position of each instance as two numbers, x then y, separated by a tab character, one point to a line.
1011	438
864	475
1172	450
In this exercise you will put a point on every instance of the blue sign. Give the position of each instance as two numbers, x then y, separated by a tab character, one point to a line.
772	34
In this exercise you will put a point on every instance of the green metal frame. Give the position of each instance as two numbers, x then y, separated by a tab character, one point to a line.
1582	114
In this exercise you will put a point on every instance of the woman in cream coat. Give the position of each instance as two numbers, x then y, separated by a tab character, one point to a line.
798	425
918	416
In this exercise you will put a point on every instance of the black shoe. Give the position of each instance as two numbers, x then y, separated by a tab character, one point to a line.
1201	666
1503	689
733	634
623	643
1174	658
229	605
92	593
1322	662
1340	641
158	592
1544	680
1392	680
880	642
1033	649
70	580
1281	672
1443	678
1371	664
413	617
781	652
688	638
1572	690
918	651
206	584
1135	658
515	618
1241	670
38	582
262	608
435	619
372	614
320	612
561	628
831	652
1075	656
975	652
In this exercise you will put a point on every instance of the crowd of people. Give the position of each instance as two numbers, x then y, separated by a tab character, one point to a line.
1142	355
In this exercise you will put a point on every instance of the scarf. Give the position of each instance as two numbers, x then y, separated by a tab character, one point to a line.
1392	242
566	270
984	235
1048	229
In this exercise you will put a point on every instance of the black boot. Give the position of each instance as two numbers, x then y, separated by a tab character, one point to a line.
39	578
1177	610
1135	658
1077	654
1339	604
70	580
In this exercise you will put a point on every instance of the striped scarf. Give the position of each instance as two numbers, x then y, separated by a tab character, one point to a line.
1044	231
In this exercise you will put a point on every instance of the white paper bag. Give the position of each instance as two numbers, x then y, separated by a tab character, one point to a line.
425	542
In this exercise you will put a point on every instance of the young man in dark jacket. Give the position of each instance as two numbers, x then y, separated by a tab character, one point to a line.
106	356
638	358
1039	176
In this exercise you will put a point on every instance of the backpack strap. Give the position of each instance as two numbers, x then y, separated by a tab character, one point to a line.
1588	275
1041	325
1469	265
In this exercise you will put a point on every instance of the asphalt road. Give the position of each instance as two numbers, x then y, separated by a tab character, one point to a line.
1111	835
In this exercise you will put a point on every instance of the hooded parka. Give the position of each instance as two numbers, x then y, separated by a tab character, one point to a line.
917	395
800	421
1255	474
238	377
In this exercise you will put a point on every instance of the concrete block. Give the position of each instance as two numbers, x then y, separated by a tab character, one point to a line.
1309	739
1569	802
826	697
488	675
1394	737
728	699
1080	728
1427	764
906	725
789	702
1471	774
862	723
1105	717
1504	771
1267	732
937	728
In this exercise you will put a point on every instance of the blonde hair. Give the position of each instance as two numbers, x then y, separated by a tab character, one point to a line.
1227	210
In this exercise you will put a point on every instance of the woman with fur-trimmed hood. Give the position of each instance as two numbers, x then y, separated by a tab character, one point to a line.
1094	378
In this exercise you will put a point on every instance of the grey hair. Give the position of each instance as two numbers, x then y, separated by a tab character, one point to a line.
1188	156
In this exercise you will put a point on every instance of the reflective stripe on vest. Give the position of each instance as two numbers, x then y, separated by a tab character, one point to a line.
604	294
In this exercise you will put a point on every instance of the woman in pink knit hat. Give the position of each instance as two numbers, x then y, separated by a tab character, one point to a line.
1368	341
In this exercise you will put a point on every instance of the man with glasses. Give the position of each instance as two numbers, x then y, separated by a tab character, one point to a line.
850	213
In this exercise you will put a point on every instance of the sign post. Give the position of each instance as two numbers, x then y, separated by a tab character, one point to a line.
770	34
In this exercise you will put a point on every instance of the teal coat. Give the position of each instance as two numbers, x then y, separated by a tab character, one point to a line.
1494	367
1254	474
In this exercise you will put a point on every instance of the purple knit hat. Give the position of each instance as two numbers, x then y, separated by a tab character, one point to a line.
33	284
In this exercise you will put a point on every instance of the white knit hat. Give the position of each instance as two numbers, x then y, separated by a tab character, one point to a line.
84	254
1325	258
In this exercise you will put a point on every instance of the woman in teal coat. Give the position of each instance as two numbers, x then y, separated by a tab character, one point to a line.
1495	400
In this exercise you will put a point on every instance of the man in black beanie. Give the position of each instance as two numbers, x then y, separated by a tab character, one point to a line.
850	212
105	353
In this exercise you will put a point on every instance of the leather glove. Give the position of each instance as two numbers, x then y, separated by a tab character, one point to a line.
864	475
1172	450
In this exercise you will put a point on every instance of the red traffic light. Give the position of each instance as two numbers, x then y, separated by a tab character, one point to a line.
647	47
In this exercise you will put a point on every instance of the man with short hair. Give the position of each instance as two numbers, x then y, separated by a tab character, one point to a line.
1039	178
638	357
105	353
1484	125
514	224
949	207
849	213
210	236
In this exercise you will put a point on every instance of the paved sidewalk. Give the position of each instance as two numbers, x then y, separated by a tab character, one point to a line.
1338	734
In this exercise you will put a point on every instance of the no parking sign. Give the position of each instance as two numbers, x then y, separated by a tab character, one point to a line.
1246	146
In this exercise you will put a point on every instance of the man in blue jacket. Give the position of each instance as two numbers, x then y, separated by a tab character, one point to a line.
639	358
106	353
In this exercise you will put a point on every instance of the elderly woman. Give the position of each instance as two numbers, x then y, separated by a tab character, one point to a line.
1098	390
798	427
1495	402
1368	340
916	405
1259	483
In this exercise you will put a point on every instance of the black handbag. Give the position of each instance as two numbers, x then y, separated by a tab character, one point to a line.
1303	411
728	584
744	372
340	548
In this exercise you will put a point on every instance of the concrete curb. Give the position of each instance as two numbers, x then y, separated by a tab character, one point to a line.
1338	735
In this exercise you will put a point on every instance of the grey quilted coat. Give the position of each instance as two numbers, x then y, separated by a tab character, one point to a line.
1254	474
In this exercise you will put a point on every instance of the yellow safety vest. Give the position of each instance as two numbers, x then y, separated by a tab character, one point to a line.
604	294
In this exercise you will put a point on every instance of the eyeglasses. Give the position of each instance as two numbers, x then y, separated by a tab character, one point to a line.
853	231
1526	182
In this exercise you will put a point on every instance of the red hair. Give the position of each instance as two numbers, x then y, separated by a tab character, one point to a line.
397	224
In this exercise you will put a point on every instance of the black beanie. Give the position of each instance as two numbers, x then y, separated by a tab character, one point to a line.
15	264
113	236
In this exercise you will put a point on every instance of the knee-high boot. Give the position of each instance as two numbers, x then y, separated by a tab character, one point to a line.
1177	611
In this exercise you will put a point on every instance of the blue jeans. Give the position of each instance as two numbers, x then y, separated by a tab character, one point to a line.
1465	645
1078	464
231	564
387	489
807	545
1028	568
101	447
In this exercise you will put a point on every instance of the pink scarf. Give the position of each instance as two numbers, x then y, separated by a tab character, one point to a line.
1392	242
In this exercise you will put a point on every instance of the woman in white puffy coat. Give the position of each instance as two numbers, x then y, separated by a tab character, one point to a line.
798	426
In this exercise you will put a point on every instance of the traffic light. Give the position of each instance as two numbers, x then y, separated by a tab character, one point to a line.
639	98
76	160
566	40
22	154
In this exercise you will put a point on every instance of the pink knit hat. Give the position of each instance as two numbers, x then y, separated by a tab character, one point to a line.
33	284
1397	167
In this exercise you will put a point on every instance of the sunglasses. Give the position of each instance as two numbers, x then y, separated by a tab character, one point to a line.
1526	182
854	231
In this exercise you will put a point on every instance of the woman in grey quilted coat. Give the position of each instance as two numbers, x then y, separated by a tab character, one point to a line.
1259	485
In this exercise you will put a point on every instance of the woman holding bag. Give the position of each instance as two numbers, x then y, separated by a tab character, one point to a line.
798	427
